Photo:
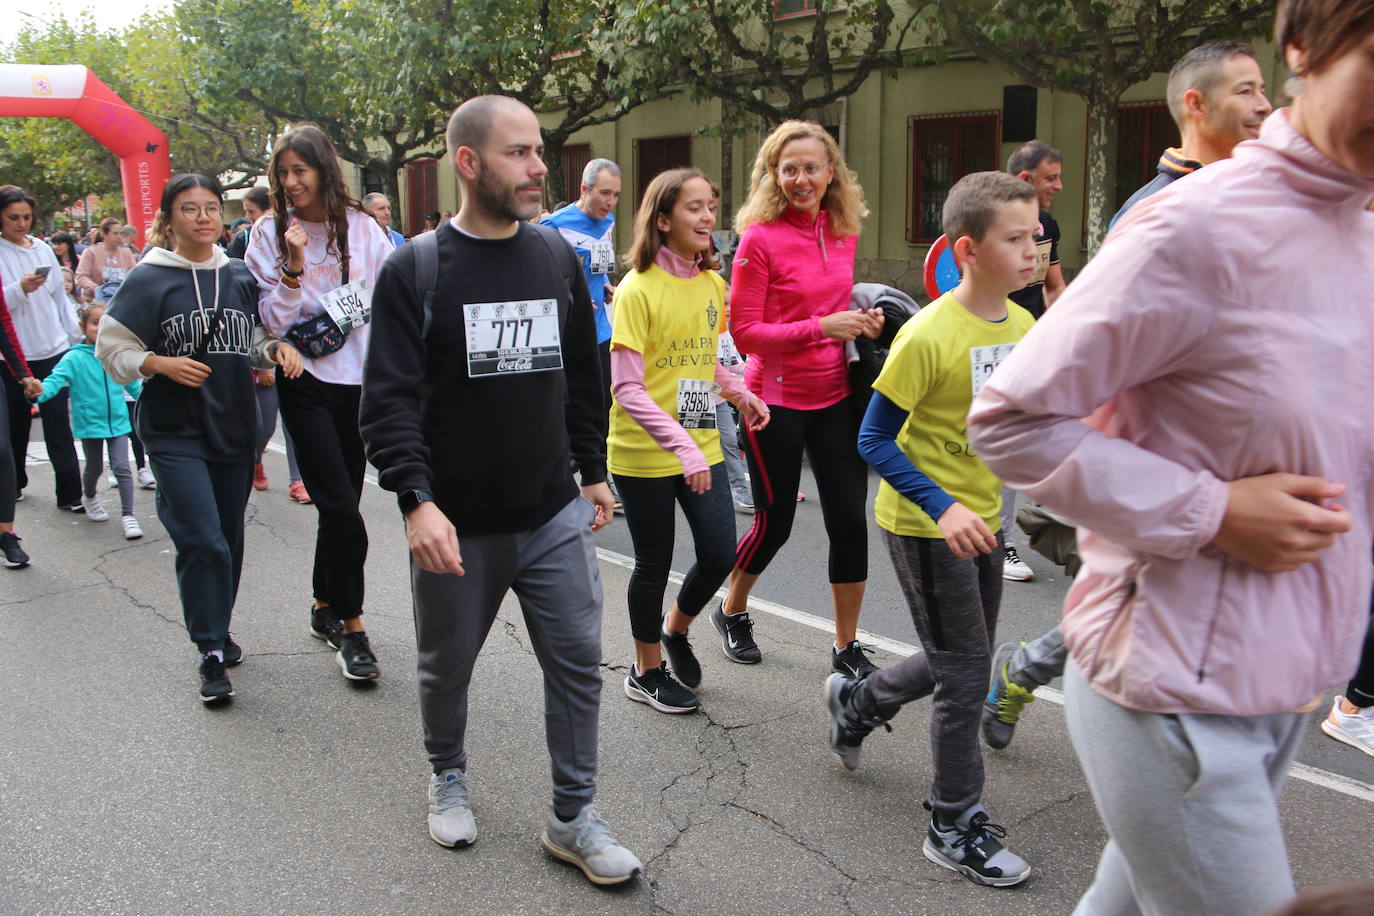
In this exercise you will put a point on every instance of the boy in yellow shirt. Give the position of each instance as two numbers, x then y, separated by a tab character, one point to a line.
938	506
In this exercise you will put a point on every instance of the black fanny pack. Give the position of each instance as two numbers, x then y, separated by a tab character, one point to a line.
318	335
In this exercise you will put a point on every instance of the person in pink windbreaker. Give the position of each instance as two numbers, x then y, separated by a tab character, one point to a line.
791	281
1197	403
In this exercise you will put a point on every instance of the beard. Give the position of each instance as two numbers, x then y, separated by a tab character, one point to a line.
499	199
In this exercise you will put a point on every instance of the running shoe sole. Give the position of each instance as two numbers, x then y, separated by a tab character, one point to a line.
935	856
1342	737
339	659
216	699
640	696
459	844
567	855
23	565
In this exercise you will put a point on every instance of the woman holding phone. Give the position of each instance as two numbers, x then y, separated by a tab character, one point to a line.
45	325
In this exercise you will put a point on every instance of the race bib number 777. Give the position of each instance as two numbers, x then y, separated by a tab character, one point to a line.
506	338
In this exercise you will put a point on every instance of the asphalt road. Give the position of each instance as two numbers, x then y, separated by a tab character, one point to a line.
120	793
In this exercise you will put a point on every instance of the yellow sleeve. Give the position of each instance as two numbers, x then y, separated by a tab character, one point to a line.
631	328
912	366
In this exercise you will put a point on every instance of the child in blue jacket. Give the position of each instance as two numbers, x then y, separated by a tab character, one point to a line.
99	419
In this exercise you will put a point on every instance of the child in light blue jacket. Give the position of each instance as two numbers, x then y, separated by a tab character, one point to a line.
99	419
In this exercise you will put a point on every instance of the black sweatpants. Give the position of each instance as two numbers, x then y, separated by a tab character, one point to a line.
57	433
830	438
1360	690
201	504
649	514
323	420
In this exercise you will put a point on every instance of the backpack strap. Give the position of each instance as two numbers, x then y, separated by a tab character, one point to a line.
426	276
560	251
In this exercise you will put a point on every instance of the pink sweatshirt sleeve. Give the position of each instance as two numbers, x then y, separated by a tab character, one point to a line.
279	306
627	384
1135	314
748	293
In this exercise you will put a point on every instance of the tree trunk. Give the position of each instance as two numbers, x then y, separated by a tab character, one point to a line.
725	213
391	187
1102	137
555	183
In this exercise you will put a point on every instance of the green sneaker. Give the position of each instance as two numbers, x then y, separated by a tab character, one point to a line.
1006	698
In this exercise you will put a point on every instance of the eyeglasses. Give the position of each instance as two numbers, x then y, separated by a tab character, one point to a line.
191	211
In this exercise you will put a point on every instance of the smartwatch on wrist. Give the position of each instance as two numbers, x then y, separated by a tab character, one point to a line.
409	499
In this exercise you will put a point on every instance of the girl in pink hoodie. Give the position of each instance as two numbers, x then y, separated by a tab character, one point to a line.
1197	403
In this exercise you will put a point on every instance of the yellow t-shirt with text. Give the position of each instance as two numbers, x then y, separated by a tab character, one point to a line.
939	361
674	323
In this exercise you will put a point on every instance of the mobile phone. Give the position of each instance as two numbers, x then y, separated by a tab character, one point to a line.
43	271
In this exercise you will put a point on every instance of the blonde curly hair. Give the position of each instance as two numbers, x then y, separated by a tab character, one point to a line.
843	200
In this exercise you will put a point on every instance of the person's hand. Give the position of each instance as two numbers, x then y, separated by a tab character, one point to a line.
1276	522
965	533
433	540
876	318
266	379
599	495
754	412
845	325
699	482
30	282
296	240
181	369
610	291
33	388
289	358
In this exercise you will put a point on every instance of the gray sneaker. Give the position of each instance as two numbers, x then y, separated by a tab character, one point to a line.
847	728
450	817
586	842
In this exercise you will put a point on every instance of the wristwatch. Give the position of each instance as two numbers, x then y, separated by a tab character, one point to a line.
409	499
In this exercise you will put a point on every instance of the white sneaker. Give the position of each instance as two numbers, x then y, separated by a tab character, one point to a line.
586	841
131	530
145	479
450	814
1356	730
1014	568
95	511
111	480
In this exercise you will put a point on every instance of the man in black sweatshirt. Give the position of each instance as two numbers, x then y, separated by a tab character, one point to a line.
482	389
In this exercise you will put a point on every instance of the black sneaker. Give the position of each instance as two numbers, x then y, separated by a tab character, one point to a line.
214	683
355	658
852	660
681	659
736	636
972	848
657	688
324	625
15	557
233	654
847	729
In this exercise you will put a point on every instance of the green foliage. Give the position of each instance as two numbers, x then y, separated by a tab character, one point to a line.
145	63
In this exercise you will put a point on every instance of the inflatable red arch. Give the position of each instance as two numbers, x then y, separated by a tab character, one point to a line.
72	91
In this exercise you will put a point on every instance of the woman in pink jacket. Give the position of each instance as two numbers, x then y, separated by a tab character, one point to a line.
1218	348
792	278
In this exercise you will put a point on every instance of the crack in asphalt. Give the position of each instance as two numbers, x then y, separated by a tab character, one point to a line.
99	569
61	591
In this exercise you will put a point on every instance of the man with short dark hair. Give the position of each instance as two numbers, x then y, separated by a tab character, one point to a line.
1042	167
379	207
496	335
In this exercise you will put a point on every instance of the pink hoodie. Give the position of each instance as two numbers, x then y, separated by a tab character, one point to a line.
787	274
1223	331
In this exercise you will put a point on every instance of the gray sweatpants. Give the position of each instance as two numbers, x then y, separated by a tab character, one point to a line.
1190	803
553	571
118	448
1039	661
954	605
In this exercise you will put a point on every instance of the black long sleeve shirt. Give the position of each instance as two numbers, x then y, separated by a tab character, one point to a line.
496	450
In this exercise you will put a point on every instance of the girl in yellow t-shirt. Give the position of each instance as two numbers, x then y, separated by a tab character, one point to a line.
664	447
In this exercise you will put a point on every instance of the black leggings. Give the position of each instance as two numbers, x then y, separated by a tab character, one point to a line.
830	437
323	420
57	433
8	488
650	518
